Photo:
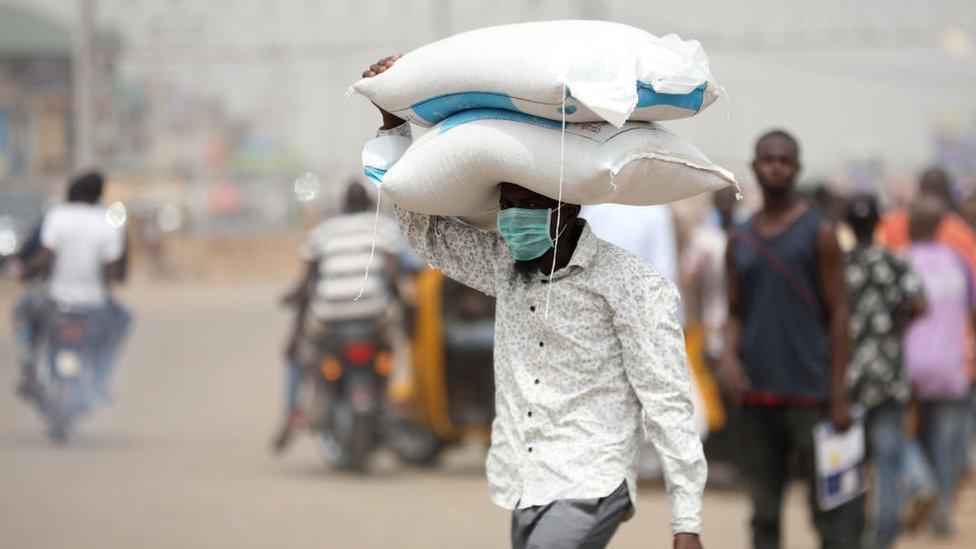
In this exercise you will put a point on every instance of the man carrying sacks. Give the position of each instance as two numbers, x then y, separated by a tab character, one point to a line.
586	347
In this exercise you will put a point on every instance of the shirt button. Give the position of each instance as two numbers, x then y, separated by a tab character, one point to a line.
532	308
541	344
530	414
530	449
536	381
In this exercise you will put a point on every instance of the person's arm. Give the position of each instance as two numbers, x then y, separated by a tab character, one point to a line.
300	298
39	263
49	239
830	269
731	376
912	290
303	288
32	244
114	272
657	369
463	253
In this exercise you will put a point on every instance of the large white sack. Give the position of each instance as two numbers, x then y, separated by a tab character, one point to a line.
611	72
455	168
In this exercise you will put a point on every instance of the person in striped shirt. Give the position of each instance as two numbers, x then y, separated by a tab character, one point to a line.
335	288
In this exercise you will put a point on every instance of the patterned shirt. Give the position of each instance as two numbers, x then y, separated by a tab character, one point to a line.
575	386
881	288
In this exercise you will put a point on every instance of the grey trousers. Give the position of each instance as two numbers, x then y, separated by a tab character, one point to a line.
571	523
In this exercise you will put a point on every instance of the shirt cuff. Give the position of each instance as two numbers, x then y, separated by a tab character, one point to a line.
403	130
685	526
382	152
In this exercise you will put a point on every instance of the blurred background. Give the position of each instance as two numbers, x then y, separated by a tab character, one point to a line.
225	133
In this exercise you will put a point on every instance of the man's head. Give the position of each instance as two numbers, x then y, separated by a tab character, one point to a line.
528	221
828	202
357	198
926	214
86	188
777	163
862	217
935	182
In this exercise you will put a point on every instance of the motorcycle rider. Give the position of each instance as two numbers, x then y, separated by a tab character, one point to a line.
334	289
81	253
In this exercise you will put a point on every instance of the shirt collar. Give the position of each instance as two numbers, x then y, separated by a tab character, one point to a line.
583	255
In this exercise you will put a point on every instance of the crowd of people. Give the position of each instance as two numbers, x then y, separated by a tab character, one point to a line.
805	313
882	322
809	311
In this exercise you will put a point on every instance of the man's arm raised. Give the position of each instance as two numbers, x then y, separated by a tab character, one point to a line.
462	252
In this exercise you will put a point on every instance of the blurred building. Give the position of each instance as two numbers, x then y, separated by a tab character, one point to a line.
35	96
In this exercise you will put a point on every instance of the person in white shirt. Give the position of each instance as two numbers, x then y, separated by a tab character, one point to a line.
575	381
703	271
647	231
82	253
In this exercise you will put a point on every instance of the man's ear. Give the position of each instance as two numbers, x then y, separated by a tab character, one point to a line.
572	210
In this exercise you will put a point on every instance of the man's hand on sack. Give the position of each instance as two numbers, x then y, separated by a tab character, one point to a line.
381	65
687	541
390	121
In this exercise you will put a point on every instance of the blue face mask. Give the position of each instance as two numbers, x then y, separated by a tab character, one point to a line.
526	231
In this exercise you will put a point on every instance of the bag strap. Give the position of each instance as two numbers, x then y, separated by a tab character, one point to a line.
801	289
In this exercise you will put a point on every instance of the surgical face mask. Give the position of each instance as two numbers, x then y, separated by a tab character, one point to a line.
526	231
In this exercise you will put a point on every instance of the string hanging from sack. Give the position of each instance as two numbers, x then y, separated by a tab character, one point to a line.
372	249
728	120
559	201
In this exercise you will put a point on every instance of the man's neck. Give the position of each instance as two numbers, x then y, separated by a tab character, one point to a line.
565	247
775	205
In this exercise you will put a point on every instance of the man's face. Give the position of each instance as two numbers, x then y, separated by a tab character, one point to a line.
776	165
513	196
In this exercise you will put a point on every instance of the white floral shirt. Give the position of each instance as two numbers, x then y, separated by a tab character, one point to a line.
574	389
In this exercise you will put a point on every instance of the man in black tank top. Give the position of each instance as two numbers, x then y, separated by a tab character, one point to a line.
787	344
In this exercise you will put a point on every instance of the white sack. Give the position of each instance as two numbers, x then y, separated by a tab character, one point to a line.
455	168
611	72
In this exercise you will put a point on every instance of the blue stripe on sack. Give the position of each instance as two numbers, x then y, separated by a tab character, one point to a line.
496	114
435	109
647	97
376	174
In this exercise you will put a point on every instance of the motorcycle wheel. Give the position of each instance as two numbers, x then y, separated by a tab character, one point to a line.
349	438
58	409
414	444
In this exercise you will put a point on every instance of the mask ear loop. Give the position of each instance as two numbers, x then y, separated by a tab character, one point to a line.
559	206
372	249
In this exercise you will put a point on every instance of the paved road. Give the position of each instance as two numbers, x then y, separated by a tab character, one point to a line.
181	460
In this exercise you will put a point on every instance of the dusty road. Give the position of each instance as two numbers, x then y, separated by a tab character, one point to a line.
182	459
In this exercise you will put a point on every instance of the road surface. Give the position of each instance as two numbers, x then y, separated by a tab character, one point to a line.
182	458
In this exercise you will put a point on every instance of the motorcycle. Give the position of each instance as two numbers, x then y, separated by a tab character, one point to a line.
349	393
66	370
